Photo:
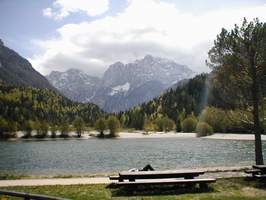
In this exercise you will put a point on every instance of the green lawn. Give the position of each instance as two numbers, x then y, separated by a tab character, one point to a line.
223	189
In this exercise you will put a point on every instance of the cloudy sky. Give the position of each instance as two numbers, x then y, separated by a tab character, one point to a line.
92	34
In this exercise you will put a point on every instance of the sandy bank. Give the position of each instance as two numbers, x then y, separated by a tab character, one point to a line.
143	135
230	136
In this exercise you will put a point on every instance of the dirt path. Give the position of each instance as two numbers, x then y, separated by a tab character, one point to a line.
54	181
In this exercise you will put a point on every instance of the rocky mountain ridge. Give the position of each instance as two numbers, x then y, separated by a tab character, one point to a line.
122	85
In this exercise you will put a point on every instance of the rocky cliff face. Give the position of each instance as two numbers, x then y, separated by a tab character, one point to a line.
122	85
74	84
16	70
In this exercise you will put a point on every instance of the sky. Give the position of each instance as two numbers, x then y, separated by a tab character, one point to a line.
90	35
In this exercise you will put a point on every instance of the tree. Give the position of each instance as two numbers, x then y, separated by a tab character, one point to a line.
53	129
42	129
64	128
3	127
29	126
113	125
100	126
189	124
79	125
148	126
240	55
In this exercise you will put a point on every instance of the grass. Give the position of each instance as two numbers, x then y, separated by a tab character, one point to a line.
223	189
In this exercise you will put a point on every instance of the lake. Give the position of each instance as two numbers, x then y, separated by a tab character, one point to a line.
112	155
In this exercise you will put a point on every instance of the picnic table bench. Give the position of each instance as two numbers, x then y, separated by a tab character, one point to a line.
257	171
168	177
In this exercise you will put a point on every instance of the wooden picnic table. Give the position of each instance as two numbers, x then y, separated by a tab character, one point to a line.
132	176
260	167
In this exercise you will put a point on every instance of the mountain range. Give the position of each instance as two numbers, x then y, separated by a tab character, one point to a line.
122	85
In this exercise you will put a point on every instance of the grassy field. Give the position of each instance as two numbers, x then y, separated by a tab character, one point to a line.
223	189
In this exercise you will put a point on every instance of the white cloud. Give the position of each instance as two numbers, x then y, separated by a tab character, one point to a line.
144	27
62	8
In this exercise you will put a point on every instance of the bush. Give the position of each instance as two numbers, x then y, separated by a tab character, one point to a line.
53	129
79	125
29	126
42	129
164	124
3	126
148	126
101	126
203	129
64	130
216	118
113	125
189	124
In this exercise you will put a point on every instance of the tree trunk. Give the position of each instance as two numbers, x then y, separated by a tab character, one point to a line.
257	127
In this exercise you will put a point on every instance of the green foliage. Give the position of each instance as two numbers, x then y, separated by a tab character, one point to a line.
53	129
217	118
3	126
101	126
29	127
7	129
239	121
113	125
203	129
164	124
64	128
176	103
79	125
41	129
148	126
21	104
189	124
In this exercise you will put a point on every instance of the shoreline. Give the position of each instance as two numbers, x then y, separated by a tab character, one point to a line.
151	135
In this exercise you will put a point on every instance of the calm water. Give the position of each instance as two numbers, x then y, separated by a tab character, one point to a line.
96	156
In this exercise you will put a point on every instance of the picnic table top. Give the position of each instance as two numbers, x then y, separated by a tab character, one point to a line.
164	172
261	167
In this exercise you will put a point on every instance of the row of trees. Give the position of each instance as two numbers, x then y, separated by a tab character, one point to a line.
112	124
21	104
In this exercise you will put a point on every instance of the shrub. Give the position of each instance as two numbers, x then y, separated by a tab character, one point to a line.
203	129
148	126
216	118
3	126
53	129
64	128
189	124
164	124
29	126
239	121
113	125
42	129
101	126
79	125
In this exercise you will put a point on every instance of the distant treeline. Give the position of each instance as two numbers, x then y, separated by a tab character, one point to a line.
202	98
19	105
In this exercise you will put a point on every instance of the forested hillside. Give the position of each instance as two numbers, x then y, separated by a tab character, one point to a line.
18	105
201	98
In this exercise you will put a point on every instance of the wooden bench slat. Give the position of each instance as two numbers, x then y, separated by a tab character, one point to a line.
171	172
260	175
167	181
261	167
252	171
188	174
114	177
